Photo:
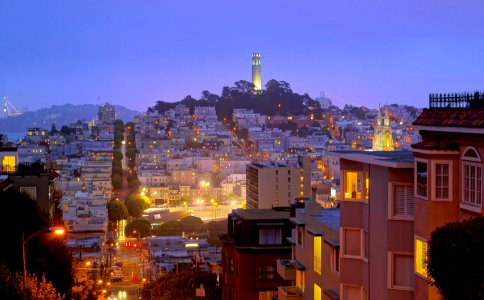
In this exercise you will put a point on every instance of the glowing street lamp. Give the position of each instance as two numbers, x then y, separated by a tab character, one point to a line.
56	230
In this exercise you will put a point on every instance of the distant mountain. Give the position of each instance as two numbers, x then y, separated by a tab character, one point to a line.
59	115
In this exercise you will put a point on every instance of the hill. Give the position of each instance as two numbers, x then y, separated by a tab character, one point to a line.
59	115
277	98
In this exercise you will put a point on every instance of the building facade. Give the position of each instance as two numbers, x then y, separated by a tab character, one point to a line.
277	184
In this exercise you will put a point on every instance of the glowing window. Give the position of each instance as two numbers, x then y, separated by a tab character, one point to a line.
8	163
317	254
317	292
421	257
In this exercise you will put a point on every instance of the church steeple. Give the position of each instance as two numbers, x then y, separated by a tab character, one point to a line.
382	138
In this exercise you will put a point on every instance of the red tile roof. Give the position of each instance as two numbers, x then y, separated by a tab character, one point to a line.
451	117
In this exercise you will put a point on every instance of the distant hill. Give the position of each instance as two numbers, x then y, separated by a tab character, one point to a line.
59	115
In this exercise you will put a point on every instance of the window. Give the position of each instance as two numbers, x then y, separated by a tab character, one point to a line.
354	242
354	292
270	235
267	295
421	179
471	180
317	254
472	185
271	272
231	264
260	272
8	164
401	271
442	189
300	280
335	259
402	201
356	185
29	190
421	257
300	235
317	292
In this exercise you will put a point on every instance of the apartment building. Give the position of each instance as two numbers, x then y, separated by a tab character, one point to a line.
376	225
256	238
272	184
448	171
314	267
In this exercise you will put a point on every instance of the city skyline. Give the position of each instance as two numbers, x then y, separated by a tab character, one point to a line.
135	53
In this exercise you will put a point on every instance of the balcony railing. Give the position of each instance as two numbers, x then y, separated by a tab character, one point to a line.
457	100
289	293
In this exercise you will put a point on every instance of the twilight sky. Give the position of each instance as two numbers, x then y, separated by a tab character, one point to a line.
135	52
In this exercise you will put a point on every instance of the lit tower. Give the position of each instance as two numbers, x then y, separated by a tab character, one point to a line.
382	138
256	72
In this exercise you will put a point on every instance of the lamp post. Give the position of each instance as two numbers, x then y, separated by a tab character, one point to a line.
56	230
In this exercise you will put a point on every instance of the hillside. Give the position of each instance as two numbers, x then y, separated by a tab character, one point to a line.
59	115
277	98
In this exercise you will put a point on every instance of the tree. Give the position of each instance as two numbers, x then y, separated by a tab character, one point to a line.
11	286
455	260
45	253
169	228
117	211
118	155
182	285
243	133
136	204
138	228
117	181
192	224
53	129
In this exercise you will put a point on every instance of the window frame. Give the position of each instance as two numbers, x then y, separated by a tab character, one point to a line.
416	194
471	162
391	269
391	204
363	247
335	259
364	191
318	259
434	164
363	291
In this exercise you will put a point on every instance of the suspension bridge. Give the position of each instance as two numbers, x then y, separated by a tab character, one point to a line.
8	109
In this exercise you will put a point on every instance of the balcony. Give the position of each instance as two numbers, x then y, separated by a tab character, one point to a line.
287	268
289	293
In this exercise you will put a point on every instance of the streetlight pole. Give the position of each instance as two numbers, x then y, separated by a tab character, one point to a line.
56	230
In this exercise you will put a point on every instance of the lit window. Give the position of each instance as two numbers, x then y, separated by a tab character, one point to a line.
421	257
317	254
317	292
300	280
421	179
356	185
402	201
8	164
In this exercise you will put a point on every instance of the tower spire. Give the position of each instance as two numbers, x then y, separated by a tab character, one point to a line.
256	72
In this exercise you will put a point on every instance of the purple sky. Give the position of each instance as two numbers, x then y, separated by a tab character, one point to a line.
136	52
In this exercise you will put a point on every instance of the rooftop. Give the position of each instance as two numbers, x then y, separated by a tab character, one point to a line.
392	159
261	214
451	117
330	217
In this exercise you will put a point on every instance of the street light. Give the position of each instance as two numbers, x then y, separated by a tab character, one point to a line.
56	230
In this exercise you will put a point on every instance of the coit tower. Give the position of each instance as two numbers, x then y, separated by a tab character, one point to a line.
256	72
